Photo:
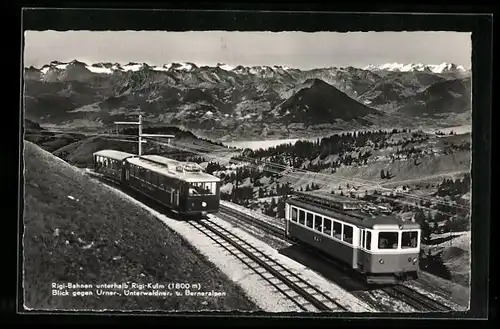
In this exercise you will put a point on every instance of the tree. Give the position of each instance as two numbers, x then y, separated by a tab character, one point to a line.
435	227
281	208
426	231
424	225
273	203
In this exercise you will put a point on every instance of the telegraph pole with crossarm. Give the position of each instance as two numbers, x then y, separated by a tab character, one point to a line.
141	135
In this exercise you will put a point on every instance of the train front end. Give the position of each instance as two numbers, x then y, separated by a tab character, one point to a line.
202	196
390	255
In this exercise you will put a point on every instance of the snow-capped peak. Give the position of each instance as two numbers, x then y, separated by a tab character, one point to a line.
133	67
225	67
435	68
184	66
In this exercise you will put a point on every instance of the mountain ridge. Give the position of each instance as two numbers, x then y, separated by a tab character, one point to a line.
107	67
225	101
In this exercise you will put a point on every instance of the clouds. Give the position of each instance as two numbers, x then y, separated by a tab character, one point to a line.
296	49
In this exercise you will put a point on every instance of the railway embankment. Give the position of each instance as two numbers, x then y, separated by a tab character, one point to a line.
80	232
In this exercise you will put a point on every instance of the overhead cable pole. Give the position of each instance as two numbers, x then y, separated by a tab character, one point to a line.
140	130
141	135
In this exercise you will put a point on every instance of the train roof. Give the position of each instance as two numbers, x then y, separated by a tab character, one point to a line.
356	218
164	160
339	199
113	154
185	171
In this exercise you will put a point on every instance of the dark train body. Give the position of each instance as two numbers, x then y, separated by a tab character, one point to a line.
180	186
382	248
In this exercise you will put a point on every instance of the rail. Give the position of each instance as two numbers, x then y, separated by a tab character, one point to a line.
415	299
278	270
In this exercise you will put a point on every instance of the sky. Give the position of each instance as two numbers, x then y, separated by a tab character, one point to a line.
300	50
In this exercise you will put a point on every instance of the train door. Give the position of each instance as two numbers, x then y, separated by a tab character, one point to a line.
287	216
127	170
174	197
361	246
176	201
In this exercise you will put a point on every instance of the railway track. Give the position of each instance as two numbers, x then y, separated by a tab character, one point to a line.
403	293
415	299
295	288
254	258
274	229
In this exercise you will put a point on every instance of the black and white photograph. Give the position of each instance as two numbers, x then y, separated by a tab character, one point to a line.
283	172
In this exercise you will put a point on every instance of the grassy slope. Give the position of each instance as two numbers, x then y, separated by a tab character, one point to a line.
80	153
129	244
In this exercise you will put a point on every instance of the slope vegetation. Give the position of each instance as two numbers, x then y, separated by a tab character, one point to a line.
80	231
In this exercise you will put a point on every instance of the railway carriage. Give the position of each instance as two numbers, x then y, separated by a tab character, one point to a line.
111	164
383	248
183	187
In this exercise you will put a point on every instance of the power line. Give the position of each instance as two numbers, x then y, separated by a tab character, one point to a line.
353	181
299	177
280	166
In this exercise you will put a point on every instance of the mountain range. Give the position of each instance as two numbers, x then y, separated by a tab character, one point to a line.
246	102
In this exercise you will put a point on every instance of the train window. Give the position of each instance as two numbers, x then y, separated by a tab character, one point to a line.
154	180
310	220
318	222
294	214
161	182
409	239
337	230
302	217
202	188
147	176
327	226
368	240
348	232
388	240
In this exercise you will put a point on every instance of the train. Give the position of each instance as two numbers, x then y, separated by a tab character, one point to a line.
378	246
183	187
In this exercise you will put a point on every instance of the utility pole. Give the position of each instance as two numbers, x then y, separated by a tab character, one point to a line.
141	135
139	123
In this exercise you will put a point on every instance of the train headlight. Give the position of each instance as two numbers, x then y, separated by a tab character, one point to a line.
203	204
381	261
415	260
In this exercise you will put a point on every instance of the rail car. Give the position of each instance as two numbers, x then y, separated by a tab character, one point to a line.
382	248
182	187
